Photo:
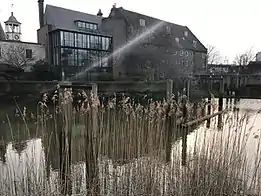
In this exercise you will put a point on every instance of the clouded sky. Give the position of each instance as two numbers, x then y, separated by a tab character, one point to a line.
232	26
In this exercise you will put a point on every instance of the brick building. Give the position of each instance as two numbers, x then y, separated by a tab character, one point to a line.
168	52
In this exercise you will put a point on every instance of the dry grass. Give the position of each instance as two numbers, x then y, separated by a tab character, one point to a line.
124	148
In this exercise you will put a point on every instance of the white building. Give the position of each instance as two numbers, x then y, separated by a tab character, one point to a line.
16	53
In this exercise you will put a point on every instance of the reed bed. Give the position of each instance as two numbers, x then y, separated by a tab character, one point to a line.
86	146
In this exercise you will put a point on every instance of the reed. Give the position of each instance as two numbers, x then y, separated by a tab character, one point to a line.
88	146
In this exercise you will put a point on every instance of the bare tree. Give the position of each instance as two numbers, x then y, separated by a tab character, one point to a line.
213	55
245	58
14	55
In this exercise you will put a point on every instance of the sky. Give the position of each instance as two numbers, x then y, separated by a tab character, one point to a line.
232	26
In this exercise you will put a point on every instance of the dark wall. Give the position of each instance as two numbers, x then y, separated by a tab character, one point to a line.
165	57
43	38
117	28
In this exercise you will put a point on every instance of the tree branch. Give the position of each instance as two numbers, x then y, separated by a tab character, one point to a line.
14	55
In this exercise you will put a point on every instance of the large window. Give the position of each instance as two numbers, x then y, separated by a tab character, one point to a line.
79	49
87	58
80	40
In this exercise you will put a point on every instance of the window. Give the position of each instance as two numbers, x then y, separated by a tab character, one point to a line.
142	23
186	53
168	30
177	39
181	53
187	63
28	53
69	39
92	41
186	33
86	26
194	43
105	43
79	49
98	43
84	41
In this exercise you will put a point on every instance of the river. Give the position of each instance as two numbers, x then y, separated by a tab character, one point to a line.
34	154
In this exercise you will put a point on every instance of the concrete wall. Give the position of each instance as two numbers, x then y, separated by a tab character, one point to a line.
43	38
18	50
117	29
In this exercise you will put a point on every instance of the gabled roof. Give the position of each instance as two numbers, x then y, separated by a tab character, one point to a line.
177	31
2	33
61	18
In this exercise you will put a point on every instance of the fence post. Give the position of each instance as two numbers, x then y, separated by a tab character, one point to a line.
220	102
184	134
169	89
209	103
95	89
64	131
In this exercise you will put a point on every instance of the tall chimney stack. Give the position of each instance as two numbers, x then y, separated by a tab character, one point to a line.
41	12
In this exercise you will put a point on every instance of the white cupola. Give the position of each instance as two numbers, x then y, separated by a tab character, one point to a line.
13	28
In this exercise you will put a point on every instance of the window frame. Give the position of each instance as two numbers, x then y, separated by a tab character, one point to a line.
86	26
142	22
168	30
28	55
194	43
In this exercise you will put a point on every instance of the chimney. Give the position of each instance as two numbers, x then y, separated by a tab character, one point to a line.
41	12
100	13
113	9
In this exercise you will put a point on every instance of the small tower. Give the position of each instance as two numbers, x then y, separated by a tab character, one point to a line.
13	28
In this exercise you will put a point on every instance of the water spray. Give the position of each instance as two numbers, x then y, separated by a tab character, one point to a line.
121	49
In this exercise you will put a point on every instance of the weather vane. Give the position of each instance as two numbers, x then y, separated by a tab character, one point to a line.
12	8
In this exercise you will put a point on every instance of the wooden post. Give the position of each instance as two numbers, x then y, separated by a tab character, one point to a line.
184	146
184	135
92	137
168	136
220	102
231	97
95	89
169	89
209	105
188	87
64	129
227	98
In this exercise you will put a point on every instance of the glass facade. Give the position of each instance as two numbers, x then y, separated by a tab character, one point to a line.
80	49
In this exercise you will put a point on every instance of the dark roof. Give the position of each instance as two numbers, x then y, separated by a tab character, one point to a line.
12	20
177	31
2	33
61	18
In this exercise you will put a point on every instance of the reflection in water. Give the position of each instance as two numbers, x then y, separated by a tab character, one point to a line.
33	157
242	127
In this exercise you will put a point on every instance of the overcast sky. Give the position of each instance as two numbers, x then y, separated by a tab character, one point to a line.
232	26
